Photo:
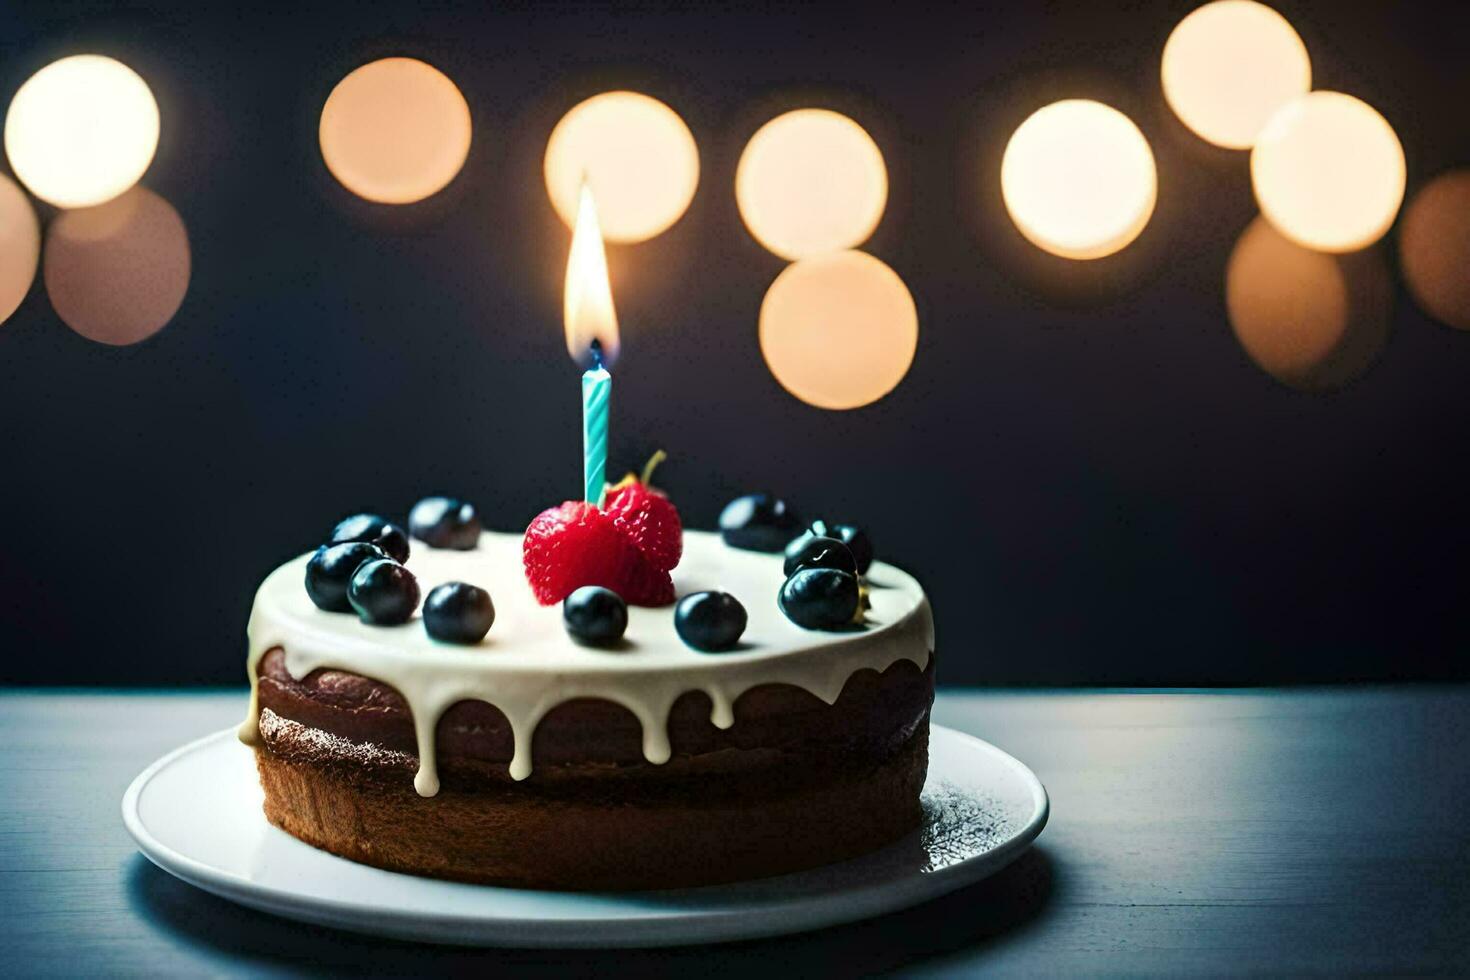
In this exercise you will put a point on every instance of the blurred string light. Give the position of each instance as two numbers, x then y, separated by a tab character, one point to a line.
118	272
811	181
1312	321
1434	248
839	330
635	153
1229	66
81	131
395	131
1328	172
20	246
1078	179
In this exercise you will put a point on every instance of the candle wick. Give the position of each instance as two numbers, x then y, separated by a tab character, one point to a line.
596	354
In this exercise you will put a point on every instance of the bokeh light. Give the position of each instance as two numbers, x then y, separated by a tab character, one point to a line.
811	181
20	246
81	131
117	273
1229	66
1311	320
395	131
1328	172
839	330
1434	248
637	156
1078	179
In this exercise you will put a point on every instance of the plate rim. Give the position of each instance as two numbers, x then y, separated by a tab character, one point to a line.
643	928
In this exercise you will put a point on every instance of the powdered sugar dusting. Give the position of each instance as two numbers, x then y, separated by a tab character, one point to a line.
303	743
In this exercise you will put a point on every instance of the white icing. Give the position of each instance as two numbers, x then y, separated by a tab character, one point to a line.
528	665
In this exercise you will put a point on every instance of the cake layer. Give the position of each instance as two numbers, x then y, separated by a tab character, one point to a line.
528	694
635	837
775	725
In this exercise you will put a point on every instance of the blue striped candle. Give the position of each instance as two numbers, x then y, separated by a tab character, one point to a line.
596	394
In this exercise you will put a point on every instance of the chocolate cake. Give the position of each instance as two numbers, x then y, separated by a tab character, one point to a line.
531	760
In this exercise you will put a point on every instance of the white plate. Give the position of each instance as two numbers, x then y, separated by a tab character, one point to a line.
196	813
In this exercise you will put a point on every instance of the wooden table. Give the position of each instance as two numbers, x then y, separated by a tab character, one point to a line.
1191	833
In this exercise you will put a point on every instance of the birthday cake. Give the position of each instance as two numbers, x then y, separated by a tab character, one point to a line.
550	717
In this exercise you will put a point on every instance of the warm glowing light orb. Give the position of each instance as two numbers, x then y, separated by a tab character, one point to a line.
1312	321
839	330
1328	172
636	155
117	273
1078	179
20	246
811	181
1229	66
1288	305
81	131
395	131
1434	248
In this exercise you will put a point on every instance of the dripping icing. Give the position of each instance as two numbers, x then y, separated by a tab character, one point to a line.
527	665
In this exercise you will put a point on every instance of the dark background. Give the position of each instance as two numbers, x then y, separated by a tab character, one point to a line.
1093	480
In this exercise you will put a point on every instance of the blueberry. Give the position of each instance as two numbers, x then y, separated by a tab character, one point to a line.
710	621
457	612
375	530
820	598
859	544
855	538
383	592
331	568
595	616
819	553
758	522
445	522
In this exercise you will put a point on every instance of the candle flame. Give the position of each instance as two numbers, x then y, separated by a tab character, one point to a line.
587	303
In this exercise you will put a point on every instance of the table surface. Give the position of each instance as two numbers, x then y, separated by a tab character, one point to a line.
1191	833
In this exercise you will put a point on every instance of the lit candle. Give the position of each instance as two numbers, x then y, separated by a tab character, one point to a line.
592	336
596	394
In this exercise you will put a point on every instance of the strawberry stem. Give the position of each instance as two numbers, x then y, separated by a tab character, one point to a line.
652	465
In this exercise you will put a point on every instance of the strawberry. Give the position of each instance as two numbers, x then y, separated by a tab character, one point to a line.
647	517
577	544
644	585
